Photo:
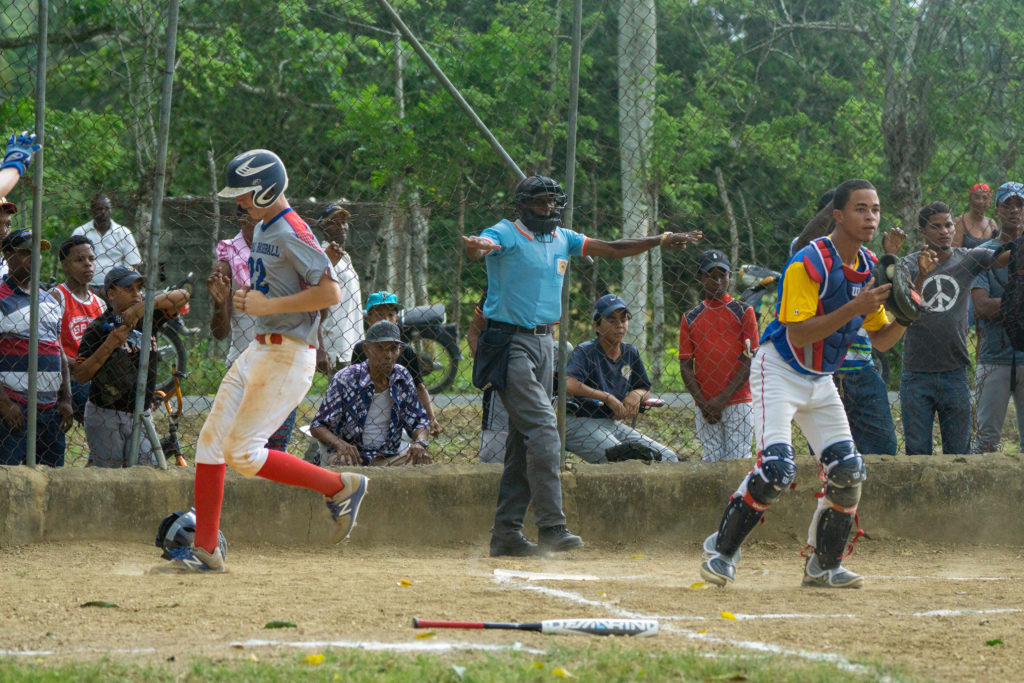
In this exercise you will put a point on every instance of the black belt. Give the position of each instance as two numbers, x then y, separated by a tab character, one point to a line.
539	330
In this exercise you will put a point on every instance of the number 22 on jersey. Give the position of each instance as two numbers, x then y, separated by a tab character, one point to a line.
257	274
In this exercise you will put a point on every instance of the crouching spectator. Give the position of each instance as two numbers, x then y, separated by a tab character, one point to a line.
610	383
369	405
53	397
108	357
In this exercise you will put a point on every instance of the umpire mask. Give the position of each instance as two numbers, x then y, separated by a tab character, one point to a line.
537	187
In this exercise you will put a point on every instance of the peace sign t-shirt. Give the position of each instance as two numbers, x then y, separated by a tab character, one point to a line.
937	341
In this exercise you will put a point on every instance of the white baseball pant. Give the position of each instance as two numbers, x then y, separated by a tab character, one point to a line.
256	395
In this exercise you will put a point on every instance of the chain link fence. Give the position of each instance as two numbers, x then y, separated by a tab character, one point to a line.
693	116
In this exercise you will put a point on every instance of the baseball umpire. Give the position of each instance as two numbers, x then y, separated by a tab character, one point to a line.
526	261
290	282
826	295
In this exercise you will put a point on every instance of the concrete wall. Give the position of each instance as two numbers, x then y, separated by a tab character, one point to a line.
941	499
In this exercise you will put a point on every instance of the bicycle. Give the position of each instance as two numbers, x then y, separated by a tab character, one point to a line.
170	445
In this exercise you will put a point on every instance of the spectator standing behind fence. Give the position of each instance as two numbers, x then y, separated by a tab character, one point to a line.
108	358
526	261
935	358
861	387
7	211
716	341
80	305
53	387
230	273
973	228
112	243
609	382
384	305
369	406
341	325
1000	371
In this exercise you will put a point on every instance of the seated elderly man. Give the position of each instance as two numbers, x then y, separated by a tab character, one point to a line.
369	405
610	383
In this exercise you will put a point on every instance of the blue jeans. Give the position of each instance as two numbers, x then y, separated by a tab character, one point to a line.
278	441
79	396
49	439
925	394
866	402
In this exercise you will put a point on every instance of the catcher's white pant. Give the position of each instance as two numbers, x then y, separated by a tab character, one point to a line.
782	395
256	395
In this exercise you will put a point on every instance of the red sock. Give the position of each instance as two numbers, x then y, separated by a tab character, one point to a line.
287	469
209	496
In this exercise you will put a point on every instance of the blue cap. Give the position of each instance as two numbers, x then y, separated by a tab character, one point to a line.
608	304
382	298
1007	190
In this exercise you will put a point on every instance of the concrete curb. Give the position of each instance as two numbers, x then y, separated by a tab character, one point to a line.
937	499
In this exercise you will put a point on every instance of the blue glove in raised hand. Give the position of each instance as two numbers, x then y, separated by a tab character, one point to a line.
20	149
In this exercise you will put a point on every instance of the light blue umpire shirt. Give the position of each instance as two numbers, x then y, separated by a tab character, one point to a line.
524	277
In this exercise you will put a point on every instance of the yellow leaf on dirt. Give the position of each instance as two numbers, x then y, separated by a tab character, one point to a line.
637	556
425	635
700	585
405	582
728	615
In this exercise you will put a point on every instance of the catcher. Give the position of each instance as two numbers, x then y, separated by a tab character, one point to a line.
826	294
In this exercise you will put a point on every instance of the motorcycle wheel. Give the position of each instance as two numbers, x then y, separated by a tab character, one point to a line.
437	363
172	353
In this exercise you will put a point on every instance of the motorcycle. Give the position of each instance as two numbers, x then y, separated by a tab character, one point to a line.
425	329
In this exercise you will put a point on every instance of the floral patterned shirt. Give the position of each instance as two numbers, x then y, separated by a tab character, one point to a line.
347	402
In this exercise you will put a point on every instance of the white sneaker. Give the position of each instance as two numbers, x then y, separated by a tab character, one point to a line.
344	505
189	559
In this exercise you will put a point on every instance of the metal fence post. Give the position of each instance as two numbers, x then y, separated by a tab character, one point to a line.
152	267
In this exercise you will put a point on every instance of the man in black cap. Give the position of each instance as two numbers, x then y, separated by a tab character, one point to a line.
716	340
108	357
53	386
370	405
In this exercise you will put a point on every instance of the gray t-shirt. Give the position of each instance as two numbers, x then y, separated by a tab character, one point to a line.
993	344
937	341
286	259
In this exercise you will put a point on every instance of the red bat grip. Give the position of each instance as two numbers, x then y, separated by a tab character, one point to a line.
424	623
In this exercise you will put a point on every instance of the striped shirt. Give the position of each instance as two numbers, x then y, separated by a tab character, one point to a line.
14	346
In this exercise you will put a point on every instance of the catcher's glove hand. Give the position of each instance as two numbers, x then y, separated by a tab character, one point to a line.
904	302
631	450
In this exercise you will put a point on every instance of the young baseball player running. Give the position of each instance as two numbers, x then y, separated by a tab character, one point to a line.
825	297
290	282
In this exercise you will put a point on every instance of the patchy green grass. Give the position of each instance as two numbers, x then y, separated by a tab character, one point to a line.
591	663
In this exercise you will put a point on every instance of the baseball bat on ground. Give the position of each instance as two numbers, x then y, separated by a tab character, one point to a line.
589	627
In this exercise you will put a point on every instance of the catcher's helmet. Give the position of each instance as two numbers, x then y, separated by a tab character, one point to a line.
534	187
259	171
178	530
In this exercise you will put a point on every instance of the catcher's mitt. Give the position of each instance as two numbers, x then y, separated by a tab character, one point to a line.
904	302
631	450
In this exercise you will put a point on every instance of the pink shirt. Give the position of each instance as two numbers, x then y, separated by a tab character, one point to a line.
236	252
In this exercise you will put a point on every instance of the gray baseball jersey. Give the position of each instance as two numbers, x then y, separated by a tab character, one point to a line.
286	259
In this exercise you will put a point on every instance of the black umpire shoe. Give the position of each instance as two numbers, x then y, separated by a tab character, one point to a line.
557	539
514	545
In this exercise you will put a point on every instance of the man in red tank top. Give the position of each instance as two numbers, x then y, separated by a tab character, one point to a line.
79	304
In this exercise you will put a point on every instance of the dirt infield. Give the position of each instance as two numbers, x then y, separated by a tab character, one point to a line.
937	611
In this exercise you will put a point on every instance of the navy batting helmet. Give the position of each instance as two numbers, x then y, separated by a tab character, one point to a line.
178	530
259	171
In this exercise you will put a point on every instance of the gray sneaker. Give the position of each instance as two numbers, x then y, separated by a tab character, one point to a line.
717	568
837	577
